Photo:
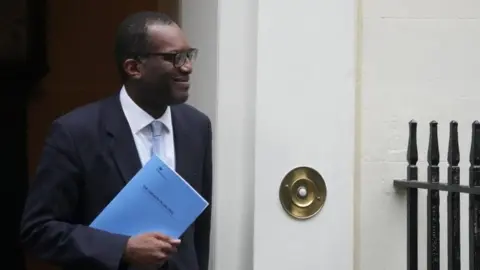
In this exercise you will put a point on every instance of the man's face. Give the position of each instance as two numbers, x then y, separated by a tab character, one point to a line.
165	71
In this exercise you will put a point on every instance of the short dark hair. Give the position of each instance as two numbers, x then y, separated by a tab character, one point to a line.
132	36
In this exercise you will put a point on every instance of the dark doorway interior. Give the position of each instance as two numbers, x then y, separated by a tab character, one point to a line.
55	55
23	64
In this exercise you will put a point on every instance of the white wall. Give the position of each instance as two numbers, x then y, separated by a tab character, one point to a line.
420	60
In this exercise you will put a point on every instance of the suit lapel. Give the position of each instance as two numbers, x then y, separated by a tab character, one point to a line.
181	141
121	143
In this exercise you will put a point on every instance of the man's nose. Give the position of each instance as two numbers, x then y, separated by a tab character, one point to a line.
187	67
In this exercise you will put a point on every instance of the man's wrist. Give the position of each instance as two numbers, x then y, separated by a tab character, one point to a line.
125	261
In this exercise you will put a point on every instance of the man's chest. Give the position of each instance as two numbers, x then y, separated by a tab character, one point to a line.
145	145
103	178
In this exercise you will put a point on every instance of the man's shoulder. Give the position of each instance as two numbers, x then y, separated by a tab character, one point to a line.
80	115
84	116
191	113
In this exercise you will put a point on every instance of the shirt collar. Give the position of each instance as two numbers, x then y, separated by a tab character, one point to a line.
137	118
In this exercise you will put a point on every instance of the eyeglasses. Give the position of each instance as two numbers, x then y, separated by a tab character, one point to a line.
178	59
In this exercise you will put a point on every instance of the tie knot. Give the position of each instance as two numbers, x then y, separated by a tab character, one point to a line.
157	128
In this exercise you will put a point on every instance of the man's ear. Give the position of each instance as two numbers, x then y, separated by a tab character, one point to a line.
132	68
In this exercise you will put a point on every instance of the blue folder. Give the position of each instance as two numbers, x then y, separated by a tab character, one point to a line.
156	199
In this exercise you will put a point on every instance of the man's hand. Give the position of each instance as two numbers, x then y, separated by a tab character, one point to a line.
150	249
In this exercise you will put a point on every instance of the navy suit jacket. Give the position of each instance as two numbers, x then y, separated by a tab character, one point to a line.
88	157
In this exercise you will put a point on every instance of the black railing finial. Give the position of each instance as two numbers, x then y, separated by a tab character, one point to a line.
474	200
453	148
412	152
433	201
453	200
433	151
475	144
412	199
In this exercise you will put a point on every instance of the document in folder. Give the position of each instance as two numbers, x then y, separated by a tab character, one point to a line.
156	199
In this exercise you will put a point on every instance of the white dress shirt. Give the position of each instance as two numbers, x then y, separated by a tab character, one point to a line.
139	122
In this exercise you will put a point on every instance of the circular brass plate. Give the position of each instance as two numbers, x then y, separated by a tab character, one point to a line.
302	192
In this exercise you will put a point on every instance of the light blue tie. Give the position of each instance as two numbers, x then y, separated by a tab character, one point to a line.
156	127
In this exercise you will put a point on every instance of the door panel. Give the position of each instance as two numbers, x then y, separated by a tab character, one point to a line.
305	116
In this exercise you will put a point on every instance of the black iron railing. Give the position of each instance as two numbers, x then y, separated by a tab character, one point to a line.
452	186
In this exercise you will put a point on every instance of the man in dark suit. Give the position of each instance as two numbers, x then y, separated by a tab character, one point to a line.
93	151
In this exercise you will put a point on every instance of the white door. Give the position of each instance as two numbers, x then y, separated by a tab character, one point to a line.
305	116
284	80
